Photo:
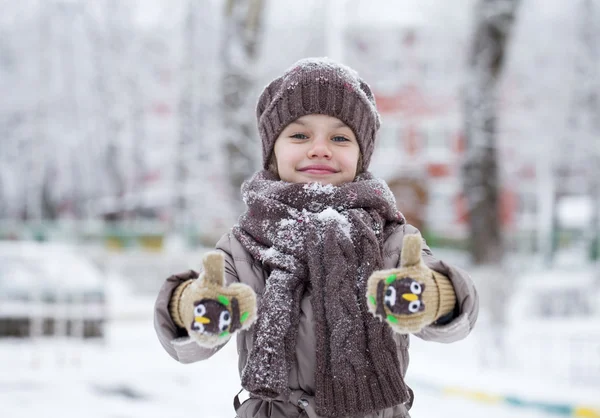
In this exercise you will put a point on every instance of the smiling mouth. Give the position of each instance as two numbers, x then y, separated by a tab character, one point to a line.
319	170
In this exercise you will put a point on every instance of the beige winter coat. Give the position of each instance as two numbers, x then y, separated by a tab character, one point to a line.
241	266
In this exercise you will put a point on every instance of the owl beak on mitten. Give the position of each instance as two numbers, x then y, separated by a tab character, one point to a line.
412	296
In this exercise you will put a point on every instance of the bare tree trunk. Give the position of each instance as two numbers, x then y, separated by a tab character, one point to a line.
98	135
493	26
138	128
188	131
104	141
39	163
243	21
584	124
495	19
115	111
591	32
70	107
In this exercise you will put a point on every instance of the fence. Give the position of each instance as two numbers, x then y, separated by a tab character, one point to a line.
563	350
62	317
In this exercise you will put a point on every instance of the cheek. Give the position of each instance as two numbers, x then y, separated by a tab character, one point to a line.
290	153
278	154
284	158
350	160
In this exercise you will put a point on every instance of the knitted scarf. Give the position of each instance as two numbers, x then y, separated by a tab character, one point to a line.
328	238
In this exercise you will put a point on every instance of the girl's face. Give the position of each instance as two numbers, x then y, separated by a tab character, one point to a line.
317	148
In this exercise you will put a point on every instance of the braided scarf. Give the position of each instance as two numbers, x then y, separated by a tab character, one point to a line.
329	238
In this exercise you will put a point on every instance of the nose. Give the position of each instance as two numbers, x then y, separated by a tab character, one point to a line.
320	148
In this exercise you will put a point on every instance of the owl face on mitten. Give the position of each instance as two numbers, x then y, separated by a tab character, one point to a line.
401	296
412	296
405	298
213	317
212	311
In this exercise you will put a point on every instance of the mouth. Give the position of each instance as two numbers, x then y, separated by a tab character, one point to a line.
318	169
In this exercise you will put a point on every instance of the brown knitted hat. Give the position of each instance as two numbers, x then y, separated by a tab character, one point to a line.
322	86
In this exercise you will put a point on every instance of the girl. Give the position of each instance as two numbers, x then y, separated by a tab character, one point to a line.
314	278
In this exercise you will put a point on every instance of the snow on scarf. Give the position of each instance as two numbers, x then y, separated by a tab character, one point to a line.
329	238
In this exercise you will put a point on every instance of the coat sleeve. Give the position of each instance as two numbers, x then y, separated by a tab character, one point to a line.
175	340
461	322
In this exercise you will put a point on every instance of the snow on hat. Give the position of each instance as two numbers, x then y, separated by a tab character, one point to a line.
322	86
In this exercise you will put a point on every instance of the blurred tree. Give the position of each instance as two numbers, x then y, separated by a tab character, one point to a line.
494	21
124	108
493	26
37	205
580	157
135	86
575	166
188	131
193	147
107	53
241	39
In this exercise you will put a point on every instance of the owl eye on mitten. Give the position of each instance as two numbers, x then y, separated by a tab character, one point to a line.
210	311
412	296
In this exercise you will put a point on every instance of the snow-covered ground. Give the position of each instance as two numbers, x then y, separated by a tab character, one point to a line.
129	375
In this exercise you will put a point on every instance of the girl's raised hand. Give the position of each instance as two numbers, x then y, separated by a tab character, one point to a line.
210	311
412	296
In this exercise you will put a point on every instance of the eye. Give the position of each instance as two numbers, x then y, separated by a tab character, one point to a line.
415	287
200	310
390	296
299	136
414	306
224	320
339	138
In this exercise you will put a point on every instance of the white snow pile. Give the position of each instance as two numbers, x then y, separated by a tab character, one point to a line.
332	215
319	189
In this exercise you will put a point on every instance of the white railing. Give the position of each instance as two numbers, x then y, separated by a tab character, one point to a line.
56	330
562	350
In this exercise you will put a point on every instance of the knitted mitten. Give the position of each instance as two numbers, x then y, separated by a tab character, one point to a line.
412	296
208	310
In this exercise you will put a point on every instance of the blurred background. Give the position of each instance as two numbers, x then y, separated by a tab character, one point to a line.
127	127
